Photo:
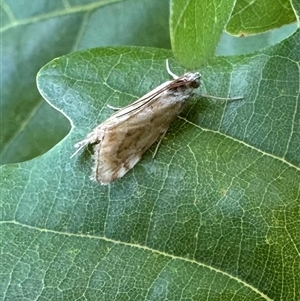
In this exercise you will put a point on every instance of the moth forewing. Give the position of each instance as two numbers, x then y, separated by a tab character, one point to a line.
124	143
120	141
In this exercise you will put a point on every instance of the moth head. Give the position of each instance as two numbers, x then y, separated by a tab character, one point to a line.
193	79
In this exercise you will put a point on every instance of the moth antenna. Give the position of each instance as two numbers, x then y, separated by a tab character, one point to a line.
222	98
169	71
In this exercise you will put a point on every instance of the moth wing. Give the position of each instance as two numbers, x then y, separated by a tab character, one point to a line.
152	96
129	111
121	140
126	136
121	149
139	104
125	141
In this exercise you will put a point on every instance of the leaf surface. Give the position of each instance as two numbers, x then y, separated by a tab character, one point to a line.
197	26
214	217
252	17
215	214
32	35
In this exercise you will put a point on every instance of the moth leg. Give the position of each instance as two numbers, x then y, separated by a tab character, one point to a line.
80	145
92	138
114	108
162	136
169	71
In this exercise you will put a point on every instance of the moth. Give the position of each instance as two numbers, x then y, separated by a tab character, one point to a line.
121	140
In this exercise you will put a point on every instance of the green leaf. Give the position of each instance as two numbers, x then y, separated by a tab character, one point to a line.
252	17
196	28
32	35
214	216
231	45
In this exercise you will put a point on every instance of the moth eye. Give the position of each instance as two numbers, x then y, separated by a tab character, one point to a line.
195	83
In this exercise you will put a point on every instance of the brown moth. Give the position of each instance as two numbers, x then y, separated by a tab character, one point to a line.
120	141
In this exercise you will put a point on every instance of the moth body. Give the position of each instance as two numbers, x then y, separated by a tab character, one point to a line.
120	141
